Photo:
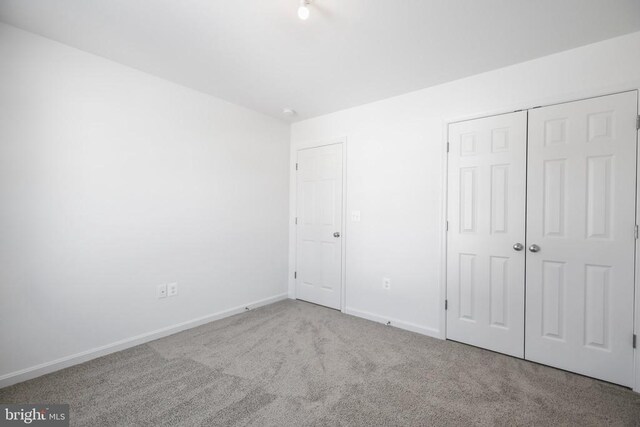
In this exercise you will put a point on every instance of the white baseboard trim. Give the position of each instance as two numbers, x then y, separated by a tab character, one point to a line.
408	326
75	359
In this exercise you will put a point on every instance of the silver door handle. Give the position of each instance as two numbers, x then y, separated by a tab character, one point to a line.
534	248
336	234
518	247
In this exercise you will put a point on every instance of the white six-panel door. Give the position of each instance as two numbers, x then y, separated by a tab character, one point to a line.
486	218
319	225
581	216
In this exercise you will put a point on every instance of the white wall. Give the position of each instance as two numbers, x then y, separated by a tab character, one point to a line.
113	181
395	168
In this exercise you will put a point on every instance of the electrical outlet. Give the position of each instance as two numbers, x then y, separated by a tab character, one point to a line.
386	283
172	289
161	291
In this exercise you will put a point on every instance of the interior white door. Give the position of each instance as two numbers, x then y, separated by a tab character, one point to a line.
580	217
486	218
319	225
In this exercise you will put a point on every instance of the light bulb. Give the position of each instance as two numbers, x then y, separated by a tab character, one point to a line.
303	12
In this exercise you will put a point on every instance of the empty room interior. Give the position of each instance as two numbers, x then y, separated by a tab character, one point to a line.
319	212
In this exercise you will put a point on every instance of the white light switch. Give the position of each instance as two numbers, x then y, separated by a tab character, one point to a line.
172	289
355	216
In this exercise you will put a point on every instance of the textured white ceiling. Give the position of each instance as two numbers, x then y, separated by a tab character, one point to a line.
257	53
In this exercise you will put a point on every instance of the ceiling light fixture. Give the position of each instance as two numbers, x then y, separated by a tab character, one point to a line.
303	10
289	112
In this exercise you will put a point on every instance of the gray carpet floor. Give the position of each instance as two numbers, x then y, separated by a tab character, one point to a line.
294	363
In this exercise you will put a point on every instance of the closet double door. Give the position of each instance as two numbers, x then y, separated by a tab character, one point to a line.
541	235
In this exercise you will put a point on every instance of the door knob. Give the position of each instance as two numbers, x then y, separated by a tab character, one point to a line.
534	248
518	247
336	234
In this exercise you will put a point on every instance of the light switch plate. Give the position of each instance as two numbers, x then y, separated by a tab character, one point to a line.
355	216
172	289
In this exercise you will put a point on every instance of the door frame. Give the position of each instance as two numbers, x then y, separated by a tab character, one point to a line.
636	329
293	205
444	207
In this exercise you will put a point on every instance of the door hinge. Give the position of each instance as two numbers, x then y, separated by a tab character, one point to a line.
446	226
296	220
634	340
636	232
447	147
446	304
295	274
638	122
296	166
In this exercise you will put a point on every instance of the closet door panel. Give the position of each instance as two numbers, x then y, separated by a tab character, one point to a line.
581	216
486	215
